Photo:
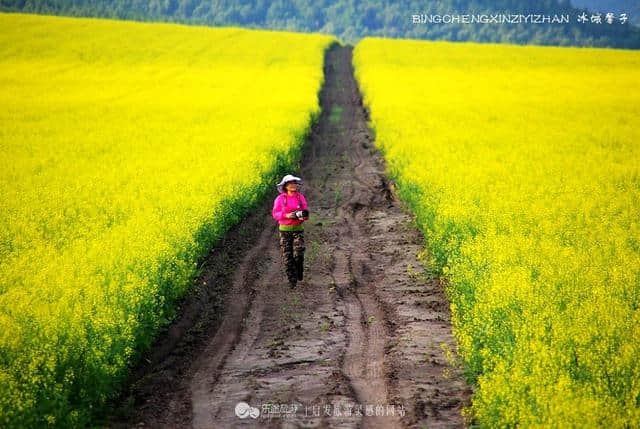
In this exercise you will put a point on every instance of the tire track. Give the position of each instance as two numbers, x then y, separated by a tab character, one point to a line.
364	359
217	351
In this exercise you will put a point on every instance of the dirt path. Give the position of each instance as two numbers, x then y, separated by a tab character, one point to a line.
363	329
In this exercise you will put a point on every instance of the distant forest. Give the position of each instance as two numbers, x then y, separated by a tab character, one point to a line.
353	19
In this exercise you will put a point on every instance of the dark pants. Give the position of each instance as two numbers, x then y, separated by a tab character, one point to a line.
292	250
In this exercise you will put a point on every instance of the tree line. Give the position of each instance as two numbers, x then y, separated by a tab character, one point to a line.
353	19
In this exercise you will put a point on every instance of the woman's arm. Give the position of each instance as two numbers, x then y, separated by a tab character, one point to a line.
278	210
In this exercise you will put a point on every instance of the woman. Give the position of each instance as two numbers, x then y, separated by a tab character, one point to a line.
290	210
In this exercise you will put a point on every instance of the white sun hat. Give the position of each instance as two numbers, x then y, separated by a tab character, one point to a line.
288	178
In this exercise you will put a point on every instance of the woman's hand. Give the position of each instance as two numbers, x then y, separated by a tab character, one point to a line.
291	215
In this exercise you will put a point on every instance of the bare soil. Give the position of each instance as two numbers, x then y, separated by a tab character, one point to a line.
366	328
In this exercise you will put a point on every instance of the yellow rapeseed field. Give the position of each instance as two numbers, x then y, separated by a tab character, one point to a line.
126	150
523	166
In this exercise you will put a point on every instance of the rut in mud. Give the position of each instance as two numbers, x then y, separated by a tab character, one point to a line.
364	329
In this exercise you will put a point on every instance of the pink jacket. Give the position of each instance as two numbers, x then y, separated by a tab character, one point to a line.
279	209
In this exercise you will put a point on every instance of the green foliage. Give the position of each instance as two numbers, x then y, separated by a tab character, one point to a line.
352	20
